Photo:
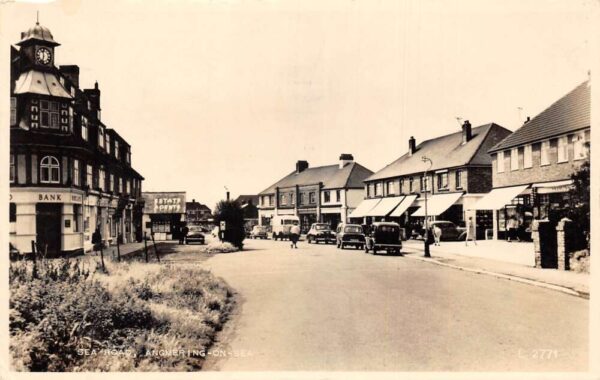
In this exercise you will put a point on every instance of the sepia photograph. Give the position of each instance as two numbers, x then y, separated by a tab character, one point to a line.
286	189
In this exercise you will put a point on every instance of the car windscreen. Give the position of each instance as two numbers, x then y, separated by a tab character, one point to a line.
388	228
353	229
322	227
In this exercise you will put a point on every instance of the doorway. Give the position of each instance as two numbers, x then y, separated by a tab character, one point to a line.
48	227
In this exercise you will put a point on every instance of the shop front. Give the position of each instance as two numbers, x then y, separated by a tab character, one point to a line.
507	206
164	214
307	216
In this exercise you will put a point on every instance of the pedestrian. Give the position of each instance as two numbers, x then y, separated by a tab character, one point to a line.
294	235
470	231
184	232
437	235
513	227
96	240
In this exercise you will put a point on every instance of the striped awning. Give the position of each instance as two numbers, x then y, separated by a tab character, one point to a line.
403	206
385	206
437	204
498	198
364	207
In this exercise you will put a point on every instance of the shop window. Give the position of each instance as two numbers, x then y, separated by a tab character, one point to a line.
527	156
514	159
12	172
563	149
13	111
545	153
326	197
390	188
338	195
500	162
12	217
312	198
442	181
77	218
458	176
49	170
76	174
579	148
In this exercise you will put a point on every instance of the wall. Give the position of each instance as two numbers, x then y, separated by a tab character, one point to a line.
479	179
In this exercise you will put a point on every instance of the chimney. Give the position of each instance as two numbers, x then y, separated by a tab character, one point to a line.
412	145
301	166
528	120
466	132
345	158
71	72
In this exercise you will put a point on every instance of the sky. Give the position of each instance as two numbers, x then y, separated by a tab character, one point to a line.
215	94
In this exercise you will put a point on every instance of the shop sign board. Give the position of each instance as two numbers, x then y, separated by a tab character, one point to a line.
43	196
164	203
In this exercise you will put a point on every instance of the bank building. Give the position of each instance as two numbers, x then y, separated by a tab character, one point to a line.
69	173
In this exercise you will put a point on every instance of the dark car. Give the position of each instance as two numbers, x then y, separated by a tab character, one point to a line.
350	234
259	232
14	253
320	232
383	236
195	235
450	231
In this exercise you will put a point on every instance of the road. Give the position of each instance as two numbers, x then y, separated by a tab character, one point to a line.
319	308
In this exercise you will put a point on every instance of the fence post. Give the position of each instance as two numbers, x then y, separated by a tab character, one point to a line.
155	250
118	250
146	246
102	255
33	251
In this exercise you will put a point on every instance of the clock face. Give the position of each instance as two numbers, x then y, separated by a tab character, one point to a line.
43	56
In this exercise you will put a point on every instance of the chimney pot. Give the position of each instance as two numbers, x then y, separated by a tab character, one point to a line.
466	132
301	166
345	158
412	145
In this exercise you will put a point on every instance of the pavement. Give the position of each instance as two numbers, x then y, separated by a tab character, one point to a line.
318	308
512	261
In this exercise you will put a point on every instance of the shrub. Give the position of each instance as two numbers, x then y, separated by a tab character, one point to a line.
232	214
220	247
580	261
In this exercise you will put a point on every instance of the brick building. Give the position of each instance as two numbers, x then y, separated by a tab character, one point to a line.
460	174
69	173
321	194
197	213
532	167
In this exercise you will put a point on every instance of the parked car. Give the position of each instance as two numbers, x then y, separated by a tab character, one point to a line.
450	231
320	232
350	234
14	253
258	232
383	235
281	224
194	235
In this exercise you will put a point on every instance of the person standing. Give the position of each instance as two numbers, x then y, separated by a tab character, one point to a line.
470	232
513	226
294	235
184	232
437	235
96	239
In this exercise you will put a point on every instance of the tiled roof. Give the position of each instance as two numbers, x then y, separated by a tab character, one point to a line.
570	113
447	152
242	199
42	83
351	175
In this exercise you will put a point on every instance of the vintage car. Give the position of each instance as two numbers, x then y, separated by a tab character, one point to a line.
350	234
281	225
450	231
194	235
320	232
383	236
258	232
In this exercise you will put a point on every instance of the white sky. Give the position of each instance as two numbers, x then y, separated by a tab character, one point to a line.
230	93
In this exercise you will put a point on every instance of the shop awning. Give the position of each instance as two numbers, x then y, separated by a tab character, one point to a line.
385	206
403	206
364	207
553	187
499	198
437	204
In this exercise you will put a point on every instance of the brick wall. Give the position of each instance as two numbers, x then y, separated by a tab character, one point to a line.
479	180
553	172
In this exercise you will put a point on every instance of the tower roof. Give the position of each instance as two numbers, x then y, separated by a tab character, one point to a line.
39	33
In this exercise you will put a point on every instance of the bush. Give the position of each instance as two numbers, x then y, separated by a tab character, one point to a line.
232	214
580	261
220	247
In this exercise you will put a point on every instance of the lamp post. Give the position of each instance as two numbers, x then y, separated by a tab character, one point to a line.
426	183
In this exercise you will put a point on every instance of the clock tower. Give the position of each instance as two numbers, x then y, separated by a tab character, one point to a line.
37	48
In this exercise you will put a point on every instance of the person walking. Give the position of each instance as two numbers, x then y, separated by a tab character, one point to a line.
184	232
513	227
294	235
470	232
437	235
96	240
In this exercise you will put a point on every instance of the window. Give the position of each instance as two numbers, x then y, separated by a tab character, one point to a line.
13	110
101	137
379	188
121	189
292	199
282	199
12	168
390	188
49	114
326	197
107	143
500	162
77	218
89	175
128	156
514	159
101	179
311	197
563	149
527	156
84	128
76	172
128	187
545	153
579	148
425	183
338	195
12	217
112	183
401	186
271	197
49	170
371	189
411	184
116	149
442	181
459	179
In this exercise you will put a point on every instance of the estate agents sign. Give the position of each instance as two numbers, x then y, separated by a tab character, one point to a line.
164	202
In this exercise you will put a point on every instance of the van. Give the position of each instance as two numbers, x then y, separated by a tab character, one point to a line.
281	225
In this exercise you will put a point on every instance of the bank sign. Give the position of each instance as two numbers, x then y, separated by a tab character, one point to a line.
164	203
